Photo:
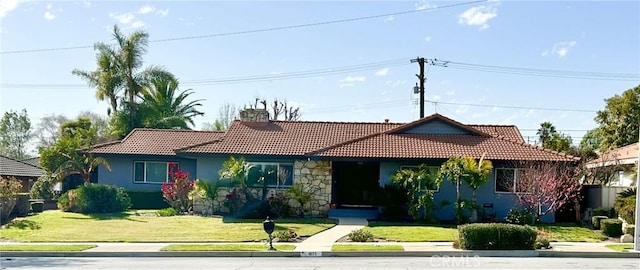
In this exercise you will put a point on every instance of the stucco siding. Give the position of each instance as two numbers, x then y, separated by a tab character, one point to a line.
436	127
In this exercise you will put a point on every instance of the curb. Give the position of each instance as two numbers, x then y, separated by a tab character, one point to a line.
469	253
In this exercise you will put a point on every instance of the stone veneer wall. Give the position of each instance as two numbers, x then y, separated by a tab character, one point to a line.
314	176
254	115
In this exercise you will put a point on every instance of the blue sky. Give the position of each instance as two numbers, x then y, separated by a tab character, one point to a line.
587	36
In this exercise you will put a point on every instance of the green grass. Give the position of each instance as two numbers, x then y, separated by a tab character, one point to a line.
411	232
61	248
568	232
343	247
620	247
57	226
227	247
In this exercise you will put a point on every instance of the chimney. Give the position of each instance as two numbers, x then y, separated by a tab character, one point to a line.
254	115
386	121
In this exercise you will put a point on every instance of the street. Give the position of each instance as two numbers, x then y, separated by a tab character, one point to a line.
320	263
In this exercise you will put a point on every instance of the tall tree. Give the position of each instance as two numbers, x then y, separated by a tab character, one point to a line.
74	135
163	106
279	109
619	121
226	114
550	138
545	133
48	130
80	164
592	140
15	133
120	67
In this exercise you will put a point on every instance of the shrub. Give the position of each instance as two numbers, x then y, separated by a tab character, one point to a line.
279	205
626	208
496	236
43	188
176	193
22	206
519	217
37	207
9	187
167	212
595	221
144	199
542	243
286	236
361	235
95	198
630	229
611	227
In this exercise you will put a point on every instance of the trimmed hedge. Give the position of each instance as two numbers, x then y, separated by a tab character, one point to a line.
497	236
95	198
22	207
595	221
142	199
611	227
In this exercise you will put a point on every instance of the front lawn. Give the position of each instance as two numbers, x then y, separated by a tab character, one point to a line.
412	232
342	247
569	232
61	248
143	226
228	247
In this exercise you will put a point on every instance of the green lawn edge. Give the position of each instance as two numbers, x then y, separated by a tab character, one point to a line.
620	247
366	247
227	247
54	248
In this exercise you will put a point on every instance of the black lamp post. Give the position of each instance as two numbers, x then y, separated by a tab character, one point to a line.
268	225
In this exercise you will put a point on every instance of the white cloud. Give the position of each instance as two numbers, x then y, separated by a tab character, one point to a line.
124	18
462	109
353	79
49	6
388	19
49	15
427	38
146	9
382	72
344	85
478	16
137	24
394	84
560	48
162	12
424	4
450	92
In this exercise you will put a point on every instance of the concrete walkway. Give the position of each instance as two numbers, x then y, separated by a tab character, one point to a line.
324	240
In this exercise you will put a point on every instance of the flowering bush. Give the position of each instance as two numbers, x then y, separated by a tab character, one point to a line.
176	192
232	201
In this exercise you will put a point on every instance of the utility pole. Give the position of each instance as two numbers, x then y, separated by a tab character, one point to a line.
421	79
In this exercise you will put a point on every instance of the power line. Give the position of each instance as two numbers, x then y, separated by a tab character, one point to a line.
247	79
263	29
514	107
568	74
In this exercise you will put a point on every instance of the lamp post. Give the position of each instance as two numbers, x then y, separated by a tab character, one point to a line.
268	225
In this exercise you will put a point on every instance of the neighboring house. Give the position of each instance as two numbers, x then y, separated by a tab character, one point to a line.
345	163
616	169
35	161
25	172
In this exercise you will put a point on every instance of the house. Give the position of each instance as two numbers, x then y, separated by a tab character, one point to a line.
616	169
25	172
345	163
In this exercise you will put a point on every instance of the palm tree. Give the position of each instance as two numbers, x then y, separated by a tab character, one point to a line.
105	78
477	175
546	132
164	107
120	68
84	165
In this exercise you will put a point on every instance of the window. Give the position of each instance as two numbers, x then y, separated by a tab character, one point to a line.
153	172
275	174
507	179
433	169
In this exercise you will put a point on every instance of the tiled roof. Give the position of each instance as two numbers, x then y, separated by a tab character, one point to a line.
35	161
12	167
287	138
161	142
511	132
623	155
423	146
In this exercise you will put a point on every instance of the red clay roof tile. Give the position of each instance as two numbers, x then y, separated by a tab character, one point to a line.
161	142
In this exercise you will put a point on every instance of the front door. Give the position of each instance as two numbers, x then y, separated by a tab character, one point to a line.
355	184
